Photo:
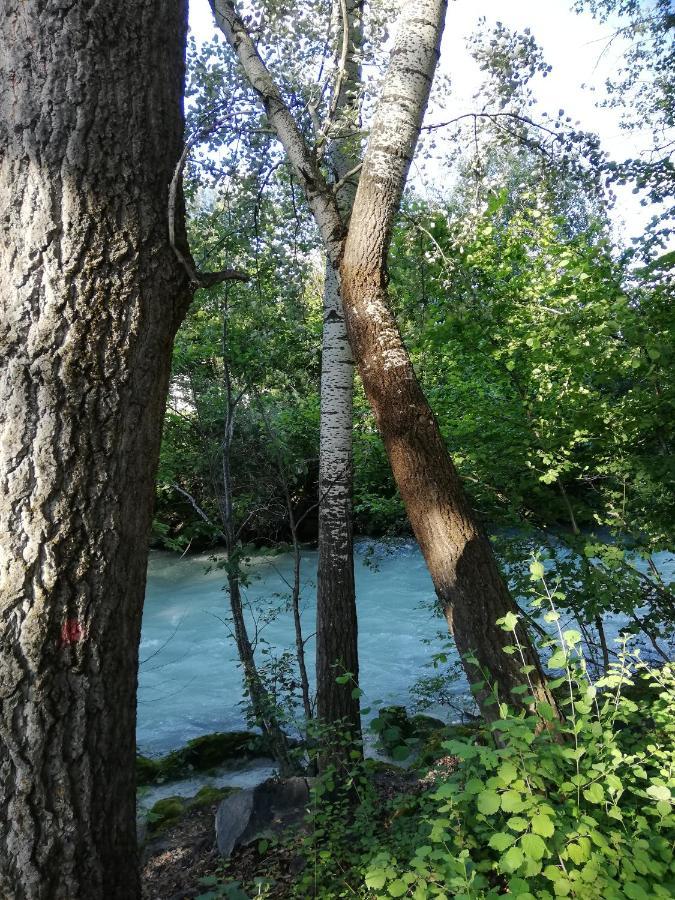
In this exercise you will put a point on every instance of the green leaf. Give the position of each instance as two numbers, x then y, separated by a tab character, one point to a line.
577	853
375	879
400	753
517	823
512	859
536	569
507	772
397	888
594	793
546	711
488	802
501	840
543	825
571	637
508	622
659	792
511	801
533	846
558	660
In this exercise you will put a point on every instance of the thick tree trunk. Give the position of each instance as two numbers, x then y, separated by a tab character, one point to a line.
90	297
458	553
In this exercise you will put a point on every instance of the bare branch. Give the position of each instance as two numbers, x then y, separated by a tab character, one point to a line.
345	178
337	90
197	279
197	508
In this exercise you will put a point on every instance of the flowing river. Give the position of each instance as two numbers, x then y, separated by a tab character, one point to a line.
189	681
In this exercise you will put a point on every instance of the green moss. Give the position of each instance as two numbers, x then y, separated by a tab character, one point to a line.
165	813
211	750
422	726
209	795
199	755
147	770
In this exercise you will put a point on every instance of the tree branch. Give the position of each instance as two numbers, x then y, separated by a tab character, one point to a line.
319	196
197	279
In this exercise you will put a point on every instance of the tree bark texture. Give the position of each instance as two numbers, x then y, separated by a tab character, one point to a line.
457	551
91	294
336	617
336	622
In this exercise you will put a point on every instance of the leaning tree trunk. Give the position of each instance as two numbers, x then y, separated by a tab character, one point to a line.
90	297
456	549
336	618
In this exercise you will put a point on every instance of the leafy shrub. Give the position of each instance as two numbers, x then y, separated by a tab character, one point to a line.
541	808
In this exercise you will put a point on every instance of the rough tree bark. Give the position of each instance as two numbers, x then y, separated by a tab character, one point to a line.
459	556
336	618
91	294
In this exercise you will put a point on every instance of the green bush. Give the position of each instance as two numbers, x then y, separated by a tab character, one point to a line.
581	808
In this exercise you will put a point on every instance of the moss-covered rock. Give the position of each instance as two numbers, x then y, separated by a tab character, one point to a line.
165	813
147	770
169	811
199	755
397	731
422	726
208	795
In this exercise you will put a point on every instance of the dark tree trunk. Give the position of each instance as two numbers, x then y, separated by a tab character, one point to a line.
457	551
90	298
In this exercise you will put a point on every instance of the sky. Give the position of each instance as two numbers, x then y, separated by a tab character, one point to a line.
576	46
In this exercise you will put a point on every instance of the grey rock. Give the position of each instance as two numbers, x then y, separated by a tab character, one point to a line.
268	809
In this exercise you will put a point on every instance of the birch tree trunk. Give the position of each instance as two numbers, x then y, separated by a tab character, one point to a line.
336	618
90	296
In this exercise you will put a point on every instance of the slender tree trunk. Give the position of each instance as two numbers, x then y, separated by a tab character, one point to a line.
261	702
336	621
90	297
297	563
336	617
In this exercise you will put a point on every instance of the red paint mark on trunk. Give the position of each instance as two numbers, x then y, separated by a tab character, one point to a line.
72	631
